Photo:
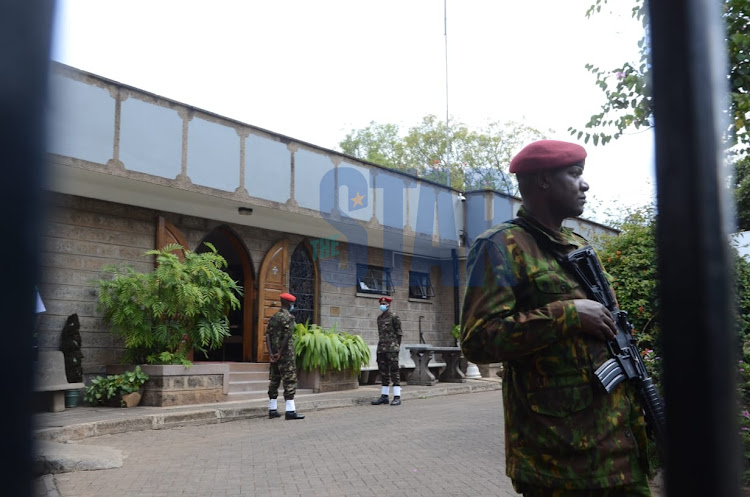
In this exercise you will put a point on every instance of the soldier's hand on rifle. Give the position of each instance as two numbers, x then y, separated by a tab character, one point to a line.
596	320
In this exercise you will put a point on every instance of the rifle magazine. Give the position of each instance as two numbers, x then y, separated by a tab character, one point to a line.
610	374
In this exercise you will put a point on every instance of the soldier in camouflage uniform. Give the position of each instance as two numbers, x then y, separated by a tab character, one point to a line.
280	342
389	341
564	435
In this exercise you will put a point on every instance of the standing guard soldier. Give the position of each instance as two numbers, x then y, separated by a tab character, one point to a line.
389	342
280	342
565	436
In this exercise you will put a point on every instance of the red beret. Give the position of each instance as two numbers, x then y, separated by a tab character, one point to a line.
387	300
547	154
288	297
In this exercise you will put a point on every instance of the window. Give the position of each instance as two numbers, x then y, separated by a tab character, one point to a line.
302	285
419	285
372	279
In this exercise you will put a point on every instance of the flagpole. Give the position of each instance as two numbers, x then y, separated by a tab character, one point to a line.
447	113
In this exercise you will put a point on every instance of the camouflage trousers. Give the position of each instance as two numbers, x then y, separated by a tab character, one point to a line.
640	489
284	370
388	368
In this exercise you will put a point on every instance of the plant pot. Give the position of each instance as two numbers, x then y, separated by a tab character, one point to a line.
330	381
130	399
72	398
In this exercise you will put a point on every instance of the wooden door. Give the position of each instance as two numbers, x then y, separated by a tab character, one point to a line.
273	280
167	233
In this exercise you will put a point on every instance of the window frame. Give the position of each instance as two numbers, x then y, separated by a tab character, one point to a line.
422	289
366	276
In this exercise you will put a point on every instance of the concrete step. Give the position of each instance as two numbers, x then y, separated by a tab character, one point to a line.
239	396
248	367
250	376
248	386
249	381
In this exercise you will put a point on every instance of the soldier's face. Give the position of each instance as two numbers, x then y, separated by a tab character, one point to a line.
567	190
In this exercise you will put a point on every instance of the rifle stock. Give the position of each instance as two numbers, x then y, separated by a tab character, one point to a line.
626	362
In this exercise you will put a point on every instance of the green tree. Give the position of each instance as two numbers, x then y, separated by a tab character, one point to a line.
627	90
741	186
476	160
631	259
628	102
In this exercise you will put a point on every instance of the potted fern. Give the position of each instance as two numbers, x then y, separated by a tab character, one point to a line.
328	359
164	316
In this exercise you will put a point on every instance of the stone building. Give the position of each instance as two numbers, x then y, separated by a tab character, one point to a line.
131	171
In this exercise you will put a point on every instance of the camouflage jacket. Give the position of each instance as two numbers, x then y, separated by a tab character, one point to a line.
389	332
561	429
280	326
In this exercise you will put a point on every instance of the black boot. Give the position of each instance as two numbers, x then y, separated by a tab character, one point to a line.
273	413
293	415
383	399
396	400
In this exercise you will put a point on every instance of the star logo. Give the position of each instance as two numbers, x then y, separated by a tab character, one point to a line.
357	200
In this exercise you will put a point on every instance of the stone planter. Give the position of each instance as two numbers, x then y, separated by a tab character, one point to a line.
329	381
177	385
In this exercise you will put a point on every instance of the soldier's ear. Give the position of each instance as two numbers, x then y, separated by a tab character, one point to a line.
543	180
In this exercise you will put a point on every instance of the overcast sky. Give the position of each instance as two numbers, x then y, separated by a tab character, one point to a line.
315	70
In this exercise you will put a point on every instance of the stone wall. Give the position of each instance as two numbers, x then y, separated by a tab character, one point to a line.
351	311
82	235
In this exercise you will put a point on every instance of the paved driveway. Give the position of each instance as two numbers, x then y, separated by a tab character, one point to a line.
429	447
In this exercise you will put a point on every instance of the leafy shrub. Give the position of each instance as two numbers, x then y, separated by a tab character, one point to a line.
102	389
180	306
631	259
316	348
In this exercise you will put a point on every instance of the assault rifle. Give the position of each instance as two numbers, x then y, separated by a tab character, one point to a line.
626	362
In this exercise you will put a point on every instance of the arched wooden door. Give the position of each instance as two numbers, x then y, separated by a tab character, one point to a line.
273	280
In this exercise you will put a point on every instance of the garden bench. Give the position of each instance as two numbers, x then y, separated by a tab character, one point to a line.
50	380
422	354
369	372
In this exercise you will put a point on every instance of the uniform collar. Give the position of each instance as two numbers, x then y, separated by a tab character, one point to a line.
563	237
